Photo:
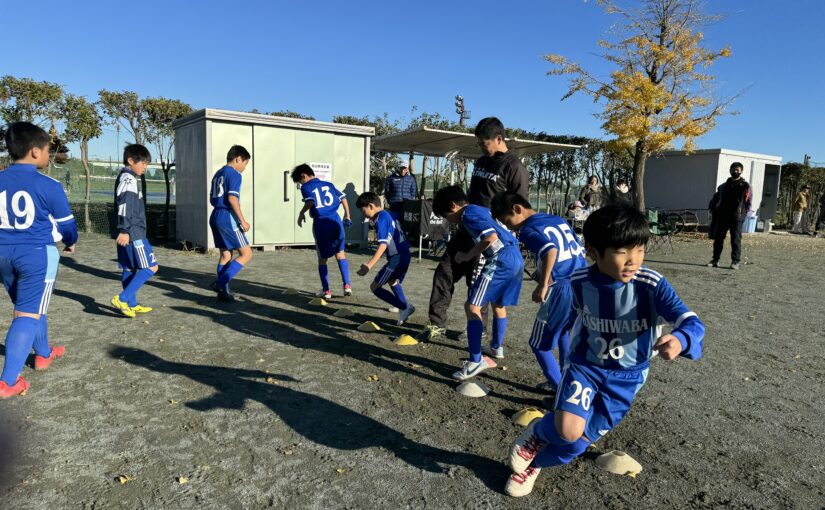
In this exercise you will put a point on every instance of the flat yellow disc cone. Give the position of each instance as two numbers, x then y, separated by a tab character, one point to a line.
472	389
318	301
369	327
405	340
289	291
526	415
619	463
343	312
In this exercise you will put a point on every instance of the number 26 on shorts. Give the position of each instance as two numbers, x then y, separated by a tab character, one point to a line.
581	395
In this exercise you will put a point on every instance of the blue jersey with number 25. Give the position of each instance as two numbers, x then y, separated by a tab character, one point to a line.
325	198
542	232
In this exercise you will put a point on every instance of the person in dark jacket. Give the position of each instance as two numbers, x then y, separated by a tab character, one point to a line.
591	195
729	206
620	195
399	187
496	171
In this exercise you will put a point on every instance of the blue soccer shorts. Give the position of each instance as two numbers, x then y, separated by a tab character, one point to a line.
395	269
602	397
329	236
552	317
136	255
29	273
500	279
226	231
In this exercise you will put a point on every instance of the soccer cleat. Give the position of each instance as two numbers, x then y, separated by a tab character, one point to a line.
521	484
347	290
325	294
430	333
493	352
142	309
525	448
471	369
17	388
122	307
393	309
225	296
712	263
41	363
734	266
404	314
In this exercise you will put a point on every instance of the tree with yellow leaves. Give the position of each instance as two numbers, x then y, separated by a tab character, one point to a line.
660	90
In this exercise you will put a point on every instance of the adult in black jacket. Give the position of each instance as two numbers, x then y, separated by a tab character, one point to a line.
728	207
496	171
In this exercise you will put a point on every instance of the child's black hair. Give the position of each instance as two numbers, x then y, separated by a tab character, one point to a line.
21	137
489	128
367	198
238	151
446	196
300	170
616	226
137	152
503	203
737	164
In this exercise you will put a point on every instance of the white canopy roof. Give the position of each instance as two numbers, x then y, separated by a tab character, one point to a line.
439	142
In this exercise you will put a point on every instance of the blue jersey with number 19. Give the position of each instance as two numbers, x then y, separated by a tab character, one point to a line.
325	198
32	206
541	232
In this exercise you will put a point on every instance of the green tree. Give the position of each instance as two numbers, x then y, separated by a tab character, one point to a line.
290	114
380	162
659	90
160	113
24	99
83	123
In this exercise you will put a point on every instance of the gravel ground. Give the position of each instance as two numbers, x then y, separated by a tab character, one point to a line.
270	402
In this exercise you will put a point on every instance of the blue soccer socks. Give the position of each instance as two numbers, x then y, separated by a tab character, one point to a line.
219	270
323	271
558	451
399	293
343	266
475	328
390	298
125	279
549	366
499	328
229	272
129	294
19	341
41	339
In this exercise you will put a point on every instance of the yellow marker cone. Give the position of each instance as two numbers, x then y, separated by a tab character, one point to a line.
405	340
619	463
289	291
318	302
343	312
526	415
369	327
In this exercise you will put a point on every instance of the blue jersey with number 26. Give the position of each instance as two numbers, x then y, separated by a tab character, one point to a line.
541	232
325	198
33	207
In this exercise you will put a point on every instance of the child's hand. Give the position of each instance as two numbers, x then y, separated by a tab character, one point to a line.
245	226
539	293
347	223
122	239
301	219
363	270
69	249
668	346
461	257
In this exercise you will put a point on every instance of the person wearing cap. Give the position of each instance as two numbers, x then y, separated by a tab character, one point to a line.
800	211
399	187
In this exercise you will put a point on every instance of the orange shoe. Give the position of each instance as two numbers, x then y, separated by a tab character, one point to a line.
41	363
17	388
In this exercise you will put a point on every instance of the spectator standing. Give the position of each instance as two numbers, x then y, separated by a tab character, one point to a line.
591	195
399	187
620	195
729	206
800	211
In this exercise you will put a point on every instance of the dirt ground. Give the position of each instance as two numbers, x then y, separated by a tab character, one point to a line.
267	403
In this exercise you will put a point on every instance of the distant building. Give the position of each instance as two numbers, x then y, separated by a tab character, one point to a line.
677	180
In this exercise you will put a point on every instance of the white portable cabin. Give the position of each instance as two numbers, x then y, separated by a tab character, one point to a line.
270	201
676	180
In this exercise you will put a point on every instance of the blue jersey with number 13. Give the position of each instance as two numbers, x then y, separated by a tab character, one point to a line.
325	197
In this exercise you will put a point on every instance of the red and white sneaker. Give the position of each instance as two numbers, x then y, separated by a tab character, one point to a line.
17	388
41	363
525	448
326	294
521	484
347	290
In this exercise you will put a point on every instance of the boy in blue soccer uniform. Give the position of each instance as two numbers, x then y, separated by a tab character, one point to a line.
227	221
618	310
393	243
322	200
498	282
34	212
558	254
134	253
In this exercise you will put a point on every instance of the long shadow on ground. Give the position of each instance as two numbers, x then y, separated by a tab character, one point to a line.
319	420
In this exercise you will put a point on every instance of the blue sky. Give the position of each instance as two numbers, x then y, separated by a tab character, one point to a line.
324	58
